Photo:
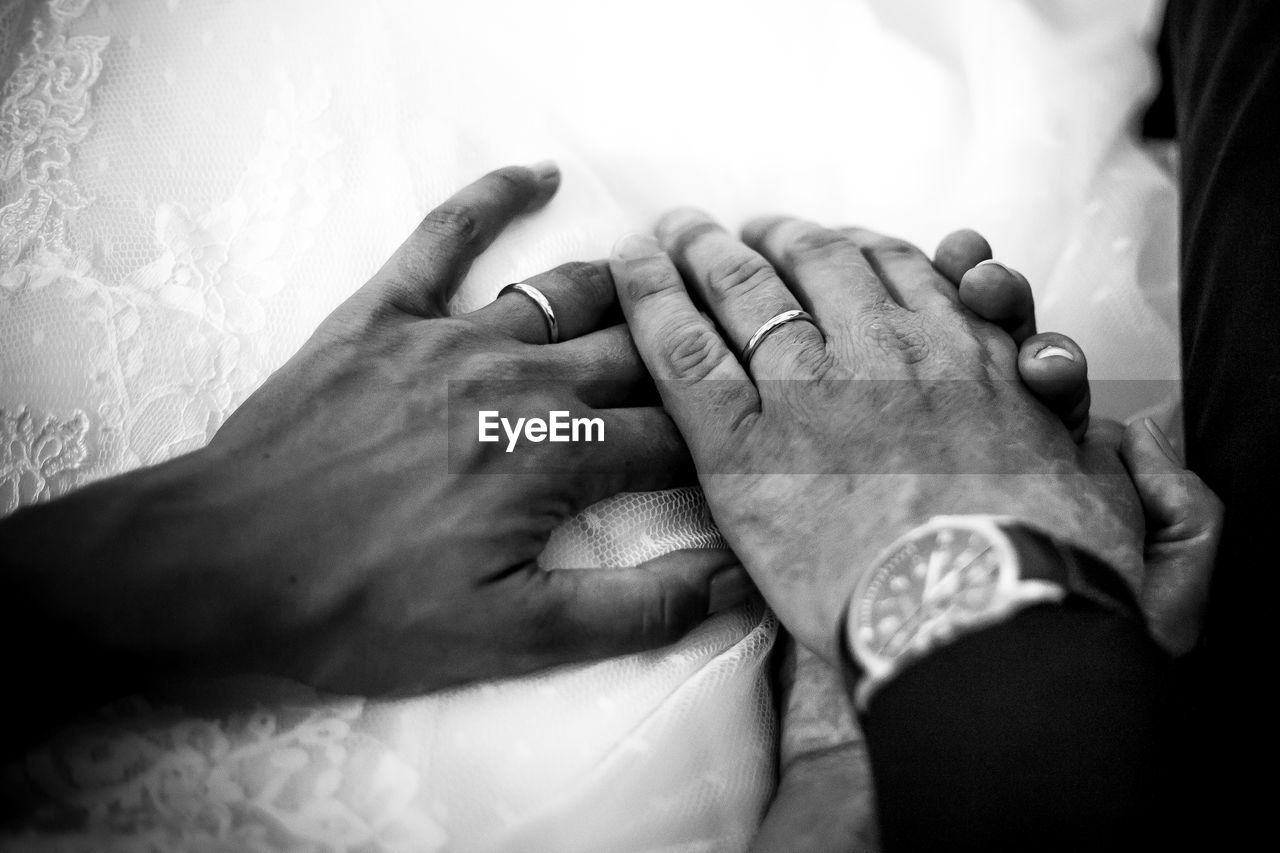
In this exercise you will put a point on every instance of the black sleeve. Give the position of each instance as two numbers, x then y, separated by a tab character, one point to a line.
1225	81
1042	733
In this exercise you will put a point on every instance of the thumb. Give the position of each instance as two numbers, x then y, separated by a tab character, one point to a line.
1184	523
590	614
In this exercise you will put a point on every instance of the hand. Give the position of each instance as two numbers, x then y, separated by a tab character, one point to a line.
825	799
809	468
1183	516
335	531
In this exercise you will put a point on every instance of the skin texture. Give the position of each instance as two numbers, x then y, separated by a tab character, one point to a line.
826	797
896	405
346	529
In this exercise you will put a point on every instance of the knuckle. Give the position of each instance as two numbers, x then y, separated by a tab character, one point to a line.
451	335
739	273
815	358
592	279
909	343
453	222
820	244
998	348
893	247
797	343
649	281
694	352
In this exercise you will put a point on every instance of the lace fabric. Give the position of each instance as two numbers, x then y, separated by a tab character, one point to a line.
188	187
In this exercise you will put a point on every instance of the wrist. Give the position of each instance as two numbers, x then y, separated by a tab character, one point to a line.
1071	506
125	574
953	576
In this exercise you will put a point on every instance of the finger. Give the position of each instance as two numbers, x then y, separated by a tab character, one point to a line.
817	715
428	267
604	367
642	451
1001	296
578	456
701	382
742	291
585	615
1055	371
824	802
729	588
1184	525
826	271
959	252
908	274
580	294
988	288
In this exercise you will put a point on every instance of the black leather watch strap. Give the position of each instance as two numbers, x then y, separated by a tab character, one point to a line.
1043	557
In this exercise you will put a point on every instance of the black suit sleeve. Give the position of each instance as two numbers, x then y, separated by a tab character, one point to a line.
1042	733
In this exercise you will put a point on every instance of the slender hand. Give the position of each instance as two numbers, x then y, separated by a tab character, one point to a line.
346	528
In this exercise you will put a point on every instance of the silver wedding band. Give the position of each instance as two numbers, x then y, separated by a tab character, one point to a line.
548	313
768	327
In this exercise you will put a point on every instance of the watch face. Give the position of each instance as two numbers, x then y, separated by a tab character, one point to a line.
942	577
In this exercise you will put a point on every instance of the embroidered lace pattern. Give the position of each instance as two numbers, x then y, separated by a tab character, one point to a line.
37	459
44	115
45	112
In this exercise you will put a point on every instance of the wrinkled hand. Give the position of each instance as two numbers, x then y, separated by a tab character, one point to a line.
826	797
897	404
1183	517
378	545
825	801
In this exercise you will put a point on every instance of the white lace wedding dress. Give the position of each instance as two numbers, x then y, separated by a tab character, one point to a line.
187	188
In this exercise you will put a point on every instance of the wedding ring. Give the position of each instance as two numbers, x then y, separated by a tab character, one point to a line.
766	328
548	314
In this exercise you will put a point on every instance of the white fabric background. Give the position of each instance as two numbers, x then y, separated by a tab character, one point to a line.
189	187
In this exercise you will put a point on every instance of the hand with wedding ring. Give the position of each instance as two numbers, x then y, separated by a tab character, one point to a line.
337	532
825	799
893	403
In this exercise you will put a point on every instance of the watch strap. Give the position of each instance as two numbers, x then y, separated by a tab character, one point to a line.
1045	557
1045	564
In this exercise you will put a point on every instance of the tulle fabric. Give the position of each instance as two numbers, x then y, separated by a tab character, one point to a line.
188	188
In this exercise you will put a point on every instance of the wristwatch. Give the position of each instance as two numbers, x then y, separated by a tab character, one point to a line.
954	575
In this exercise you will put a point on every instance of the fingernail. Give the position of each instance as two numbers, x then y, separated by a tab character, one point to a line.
636	246
729	587
1161	439
992	262
1052	351
546	171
